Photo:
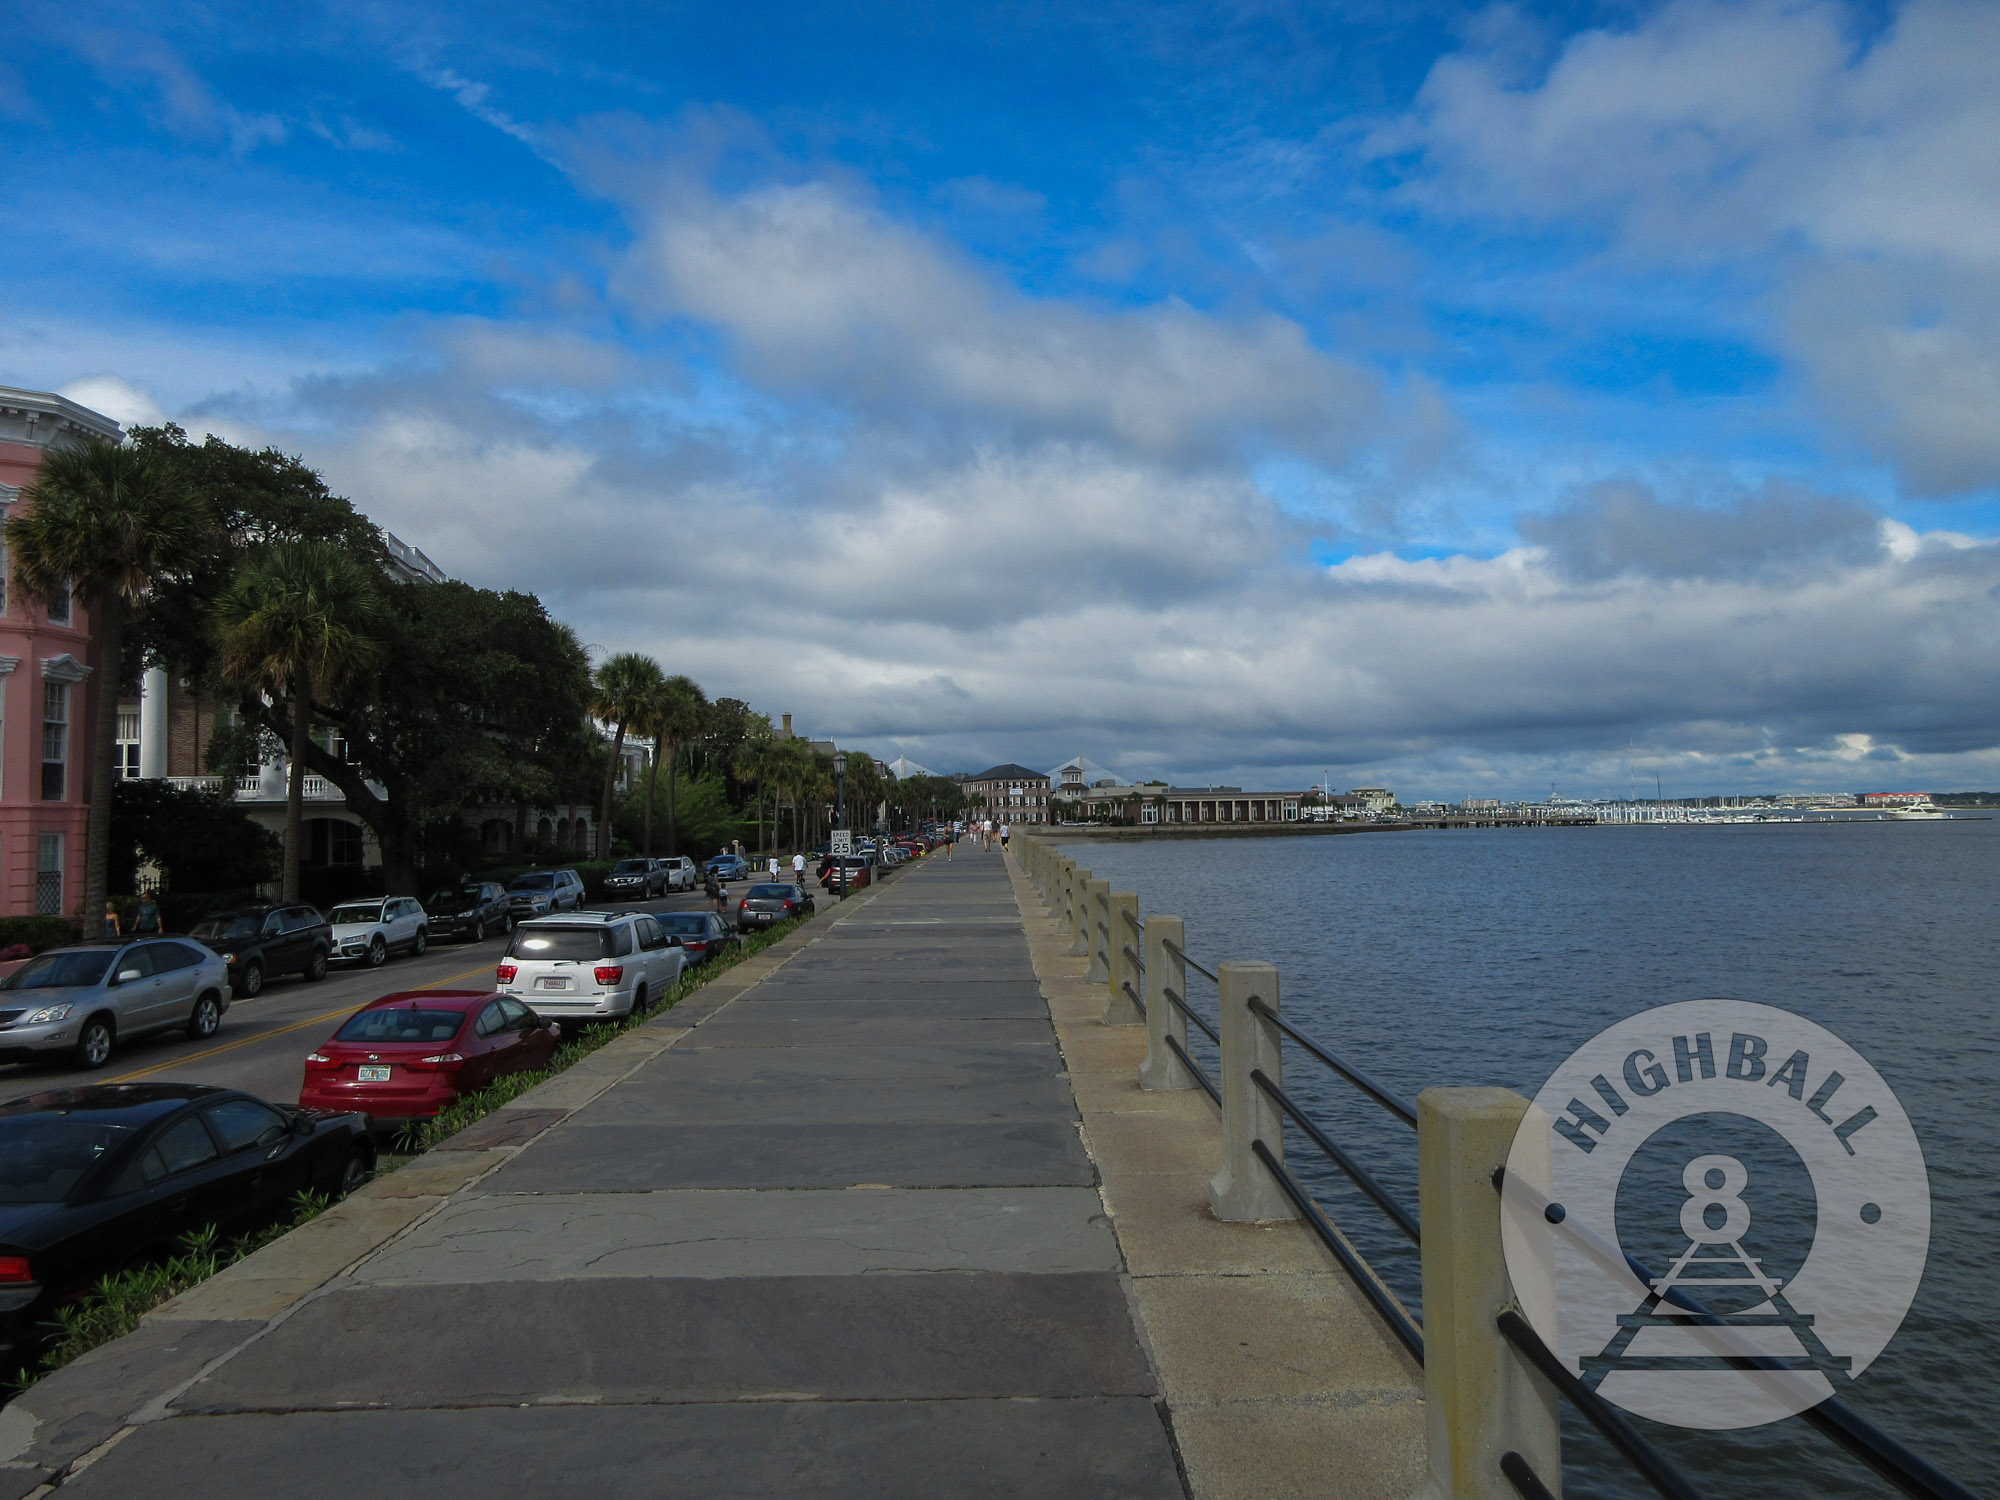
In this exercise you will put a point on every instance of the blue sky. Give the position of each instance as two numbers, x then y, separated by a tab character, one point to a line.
1464	397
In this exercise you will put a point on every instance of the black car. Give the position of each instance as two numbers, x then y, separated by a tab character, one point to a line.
635	880
701	933
98	1178
764	904
470	910
262	942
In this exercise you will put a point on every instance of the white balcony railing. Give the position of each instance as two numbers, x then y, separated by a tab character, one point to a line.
253	788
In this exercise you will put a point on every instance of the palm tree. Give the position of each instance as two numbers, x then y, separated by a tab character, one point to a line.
106	521
757	762
682	714
623	688
301	621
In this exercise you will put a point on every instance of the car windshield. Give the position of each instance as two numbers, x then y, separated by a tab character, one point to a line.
629	867
532	883
682	923
456	900
772	892
360	911
59	971
42	1156
229	929
401	1023
560	942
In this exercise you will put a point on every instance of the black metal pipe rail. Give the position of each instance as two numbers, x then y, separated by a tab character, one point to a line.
1175	949
1385	1097
1137	962
1600	1413
1387	1307
1133	922
1181	1005
1132	995
1195	1068
1527	1483
1358	1174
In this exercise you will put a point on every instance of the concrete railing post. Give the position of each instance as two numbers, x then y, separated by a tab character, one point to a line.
1097	923
1244	1191
1059	906
1079	942
1481	1399
1164	971
1121	1008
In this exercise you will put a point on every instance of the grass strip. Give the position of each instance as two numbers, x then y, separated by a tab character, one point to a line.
114	1306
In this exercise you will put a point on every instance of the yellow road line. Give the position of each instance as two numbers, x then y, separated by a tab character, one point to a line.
325	1015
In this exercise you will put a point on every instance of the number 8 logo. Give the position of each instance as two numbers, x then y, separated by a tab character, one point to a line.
1725	1194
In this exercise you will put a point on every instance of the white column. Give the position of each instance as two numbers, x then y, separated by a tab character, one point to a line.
153	724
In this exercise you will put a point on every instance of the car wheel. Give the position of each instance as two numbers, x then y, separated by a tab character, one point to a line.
639	1001
353	1172
420	942
378	952
507	925
206	1020
316	965
93	1043
479	930
253	980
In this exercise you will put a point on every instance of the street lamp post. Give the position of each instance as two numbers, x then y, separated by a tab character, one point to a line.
840	811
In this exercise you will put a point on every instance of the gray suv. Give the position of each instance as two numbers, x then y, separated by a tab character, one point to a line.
539	893
84	1000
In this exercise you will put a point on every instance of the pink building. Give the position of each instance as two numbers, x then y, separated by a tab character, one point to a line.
48	655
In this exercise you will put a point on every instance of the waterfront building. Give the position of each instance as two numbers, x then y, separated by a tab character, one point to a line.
48	659
1012	793
1893	799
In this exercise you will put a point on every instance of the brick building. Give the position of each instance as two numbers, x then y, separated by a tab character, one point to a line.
1013	794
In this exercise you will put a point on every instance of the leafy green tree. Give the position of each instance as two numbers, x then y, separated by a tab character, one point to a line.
111	524
758	764
202	842
302	618
680	713
620	694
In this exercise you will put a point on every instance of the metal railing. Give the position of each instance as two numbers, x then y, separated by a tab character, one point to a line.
1853	1434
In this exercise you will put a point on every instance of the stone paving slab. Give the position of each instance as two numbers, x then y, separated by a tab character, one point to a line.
696	1062
828	1338
1089	1449
643	1158
812	984
775	1099
984	1003
851	1232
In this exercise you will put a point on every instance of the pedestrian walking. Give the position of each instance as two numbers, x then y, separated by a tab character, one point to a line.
772	866
799	867
716	895
1003	838
148	921
111	927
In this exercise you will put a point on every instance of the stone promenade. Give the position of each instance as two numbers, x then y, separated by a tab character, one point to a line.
829	1232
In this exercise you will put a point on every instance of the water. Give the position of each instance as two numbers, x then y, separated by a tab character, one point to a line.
1486	956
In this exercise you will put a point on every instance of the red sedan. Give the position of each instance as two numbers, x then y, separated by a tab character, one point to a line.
407	1056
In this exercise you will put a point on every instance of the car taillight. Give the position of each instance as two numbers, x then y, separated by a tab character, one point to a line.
442	1061
319	1060
744	904
790	904
505	973
608	973
15	1269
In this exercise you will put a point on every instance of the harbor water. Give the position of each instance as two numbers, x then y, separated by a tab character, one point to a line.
1485	957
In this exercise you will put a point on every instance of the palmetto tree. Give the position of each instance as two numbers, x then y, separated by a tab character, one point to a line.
105	521
300	621
681	713
758	762
623	689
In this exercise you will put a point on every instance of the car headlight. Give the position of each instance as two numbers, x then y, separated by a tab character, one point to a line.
230	959
49	1013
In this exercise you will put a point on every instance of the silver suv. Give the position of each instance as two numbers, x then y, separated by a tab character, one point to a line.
590	965
539	892
84	1000
681	873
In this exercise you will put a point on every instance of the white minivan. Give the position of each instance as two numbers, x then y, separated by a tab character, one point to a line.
590	965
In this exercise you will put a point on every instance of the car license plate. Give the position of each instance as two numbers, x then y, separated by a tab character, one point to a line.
374	1075
551	984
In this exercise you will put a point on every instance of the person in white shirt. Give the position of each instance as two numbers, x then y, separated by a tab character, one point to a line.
772	865
799	868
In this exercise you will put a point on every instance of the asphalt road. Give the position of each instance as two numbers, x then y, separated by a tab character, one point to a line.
263	1043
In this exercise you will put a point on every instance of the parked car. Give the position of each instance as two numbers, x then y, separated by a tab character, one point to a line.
262	942
470	910
593	965
97	1178
539	892
635	880
859	872
701	934
87	999
681	873
409	1055
767	903
367	932
728	867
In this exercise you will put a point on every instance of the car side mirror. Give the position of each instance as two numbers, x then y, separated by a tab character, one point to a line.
673	942
304	1125
127	976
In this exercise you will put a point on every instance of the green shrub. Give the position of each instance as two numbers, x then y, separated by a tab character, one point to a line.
37	932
